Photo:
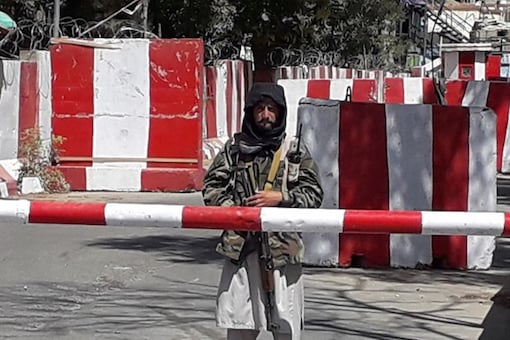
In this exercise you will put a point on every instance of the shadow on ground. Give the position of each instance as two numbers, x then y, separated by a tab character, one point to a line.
179	249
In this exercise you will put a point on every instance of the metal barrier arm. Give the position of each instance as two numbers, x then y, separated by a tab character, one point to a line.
256	219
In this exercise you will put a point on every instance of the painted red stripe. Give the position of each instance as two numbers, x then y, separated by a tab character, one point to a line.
394	91
429	92
229	94
318	89
73	99
240	87
450	177
176	101
67	213
349	73
493	67
363	154
241	219
403	222
364	90
211	79
499	101
506	230
172	180
313	73
322	72
29	98
455	90
76	176
467	65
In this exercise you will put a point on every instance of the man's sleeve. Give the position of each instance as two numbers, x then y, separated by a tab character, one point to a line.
216	182
307	192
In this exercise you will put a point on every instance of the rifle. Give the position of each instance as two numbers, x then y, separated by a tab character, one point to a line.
294	156
266	260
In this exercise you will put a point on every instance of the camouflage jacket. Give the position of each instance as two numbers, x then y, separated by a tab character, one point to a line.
221	188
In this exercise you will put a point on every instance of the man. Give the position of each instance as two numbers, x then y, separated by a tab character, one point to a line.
244	174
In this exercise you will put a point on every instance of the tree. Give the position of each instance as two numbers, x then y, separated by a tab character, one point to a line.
361	33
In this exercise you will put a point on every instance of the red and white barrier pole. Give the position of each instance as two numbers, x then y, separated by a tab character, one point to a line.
257	219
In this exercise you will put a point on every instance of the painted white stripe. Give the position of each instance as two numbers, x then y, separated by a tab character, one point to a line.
451	65
122	103
409	149
221	99
482	190
204	108
4	192
328	72
476	94
10	74
45	99
505	162
480	65
294	91
114	178
482	160
14	211
242	94
413	90
338	88
144	215
320	135
462	223
235	97
302	220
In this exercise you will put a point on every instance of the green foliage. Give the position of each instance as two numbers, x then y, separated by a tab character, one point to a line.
362	31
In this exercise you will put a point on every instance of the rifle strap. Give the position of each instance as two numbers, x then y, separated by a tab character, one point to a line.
268	186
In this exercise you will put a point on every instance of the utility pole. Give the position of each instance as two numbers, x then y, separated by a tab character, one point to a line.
56	18
145	17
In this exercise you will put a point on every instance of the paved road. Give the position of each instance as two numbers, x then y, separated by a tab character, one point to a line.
114	283
72	282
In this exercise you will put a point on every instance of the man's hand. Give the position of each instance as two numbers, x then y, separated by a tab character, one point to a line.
265	199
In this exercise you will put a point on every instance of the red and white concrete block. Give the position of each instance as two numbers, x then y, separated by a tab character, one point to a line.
291	72
131	114
402	157
410	90
495	95
338	221
467	65
360	90
227	84
329	72
19	106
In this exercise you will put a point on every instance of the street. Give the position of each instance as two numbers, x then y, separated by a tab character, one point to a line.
76	282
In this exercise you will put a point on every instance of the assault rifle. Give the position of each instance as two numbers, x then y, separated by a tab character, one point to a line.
266	260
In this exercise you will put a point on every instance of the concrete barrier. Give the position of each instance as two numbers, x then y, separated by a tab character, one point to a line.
402	157
131	113
359	90
493	94
227	84
19	108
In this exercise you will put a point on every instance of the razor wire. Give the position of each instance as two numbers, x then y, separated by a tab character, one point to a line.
305	56
36	35
312	57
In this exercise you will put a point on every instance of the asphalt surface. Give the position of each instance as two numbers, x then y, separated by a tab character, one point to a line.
76	282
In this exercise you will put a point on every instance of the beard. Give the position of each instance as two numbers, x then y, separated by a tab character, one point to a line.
265	125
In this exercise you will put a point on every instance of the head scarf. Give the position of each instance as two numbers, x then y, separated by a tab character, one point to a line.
254	140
